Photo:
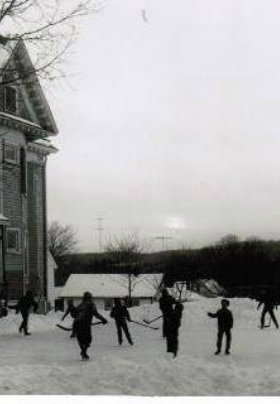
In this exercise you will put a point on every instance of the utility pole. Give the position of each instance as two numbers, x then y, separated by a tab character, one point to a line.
163	240
100	229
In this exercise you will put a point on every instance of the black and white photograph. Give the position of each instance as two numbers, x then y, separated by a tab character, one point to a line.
139	198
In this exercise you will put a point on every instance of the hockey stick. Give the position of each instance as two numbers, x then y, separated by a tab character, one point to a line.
71	329
151	321
64	328
144	325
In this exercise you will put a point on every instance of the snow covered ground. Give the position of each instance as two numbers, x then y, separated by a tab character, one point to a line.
48	361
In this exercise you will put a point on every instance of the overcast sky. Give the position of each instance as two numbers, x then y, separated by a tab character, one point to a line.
170	125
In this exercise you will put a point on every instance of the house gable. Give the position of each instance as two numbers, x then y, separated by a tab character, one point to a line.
32	108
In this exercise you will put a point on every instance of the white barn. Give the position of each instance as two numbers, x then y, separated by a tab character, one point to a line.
105	287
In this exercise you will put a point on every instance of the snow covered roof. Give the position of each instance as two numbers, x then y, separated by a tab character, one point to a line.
111	285
43	145
4	220
51	262
5	54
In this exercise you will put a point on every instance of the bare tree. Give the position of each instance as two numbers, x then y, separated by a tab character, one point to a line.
61	240
126	254
48	27
125	250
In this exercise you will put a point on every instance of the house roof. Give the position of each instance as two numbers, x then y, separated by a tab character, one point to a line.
110	285
31	83
43	145
51	262
5	53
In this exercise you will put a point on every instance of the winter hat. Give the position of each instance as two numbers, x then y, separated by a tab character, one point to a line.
87	296
225	301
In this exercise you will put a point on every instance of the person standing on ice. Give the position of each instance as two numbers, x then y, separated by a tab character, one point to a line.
24	306
172	329
120	314
166	306
225	324
71	309
268	307
82	323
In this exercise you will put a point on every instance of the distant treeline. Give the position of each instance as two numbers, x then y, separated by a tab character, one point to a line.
239	266
233	264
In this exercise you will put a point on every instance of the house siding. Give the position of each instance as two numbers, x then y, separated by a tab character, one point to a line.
13	209
25	269
36	227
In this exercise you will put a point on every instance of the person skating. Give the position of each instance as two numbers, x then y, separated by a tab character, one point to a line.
24	306
166	306
172	329
268	307
82	323
225	324
72	310
121	315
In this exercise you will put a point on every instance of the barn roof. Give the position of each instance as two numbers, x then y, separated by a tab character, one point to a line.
110	285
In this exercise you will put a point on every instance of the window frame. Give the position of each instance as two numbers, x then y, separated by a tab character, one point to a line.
6	107
108	303
16	150
17	248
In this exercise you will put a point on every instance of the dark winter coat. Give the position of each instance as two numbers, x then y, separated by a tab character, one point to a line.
166	305
83	319
225	318
268	301
24	305
120	314
174	323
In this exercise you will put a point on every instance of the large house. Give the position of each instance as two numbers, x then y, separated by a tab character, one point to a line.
26	123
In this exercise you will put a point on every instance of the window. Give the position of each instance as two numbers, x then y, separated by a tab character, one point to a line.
13	240
108	304
10	99
135	302
10	153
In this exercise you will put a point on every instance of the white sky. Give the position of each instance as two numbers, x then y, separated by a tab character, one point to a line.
170	126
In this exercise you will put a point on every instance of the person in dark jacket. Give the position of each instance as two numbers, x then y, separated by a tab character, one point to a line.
166	306
225	324
72	310
24	306
82	323
4	294
269	304
120	314
172	329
